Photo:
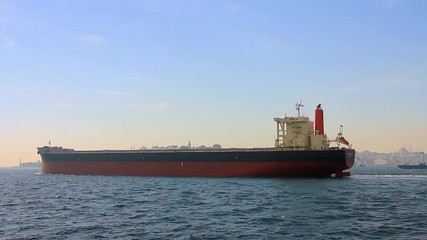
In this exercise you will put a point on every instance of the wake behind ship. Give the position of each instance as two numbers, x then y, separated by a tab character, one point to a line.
302	149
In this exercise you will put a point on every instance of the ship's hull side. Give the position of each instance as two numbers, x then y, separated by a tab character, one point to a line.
321	163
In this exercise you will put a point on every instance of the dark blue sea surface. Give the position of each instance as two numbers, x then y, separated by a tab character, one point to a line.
374	203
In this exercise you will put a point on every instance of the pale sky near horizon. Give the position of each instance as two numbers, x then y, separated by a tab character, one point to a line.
105	74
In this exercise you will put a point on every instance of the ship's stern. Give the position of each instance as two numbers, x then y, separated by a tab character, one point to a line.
349	156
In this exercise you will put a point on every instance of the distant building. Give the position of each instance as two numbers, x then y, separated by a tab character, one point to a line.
37	164
188	146
216	146
172	147
380	161
403	156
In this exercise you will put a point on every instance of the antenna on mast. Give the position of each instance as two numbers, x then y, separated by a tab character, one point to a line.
298	107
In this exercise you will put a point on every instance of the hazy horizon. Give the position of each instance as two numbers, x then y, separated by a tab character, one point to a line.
117	74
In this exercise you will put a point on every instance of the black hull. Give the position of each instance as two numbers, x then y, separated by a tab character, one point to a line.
202	163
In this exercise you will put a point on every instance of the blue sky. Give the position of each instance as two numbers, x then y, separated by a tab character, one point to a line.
113	74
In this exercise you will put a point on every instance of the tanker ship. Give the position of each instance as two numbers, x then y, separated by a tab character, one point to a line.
301	149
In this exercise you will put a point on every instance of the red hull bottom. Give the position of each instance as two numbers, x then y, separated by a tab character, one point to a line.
198	169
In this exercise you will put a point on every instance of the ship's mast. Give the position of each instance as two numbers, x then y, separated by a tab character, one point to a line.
298	107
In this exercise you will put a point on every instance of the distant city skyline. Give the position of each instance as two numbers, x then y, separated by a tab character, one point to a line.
122	74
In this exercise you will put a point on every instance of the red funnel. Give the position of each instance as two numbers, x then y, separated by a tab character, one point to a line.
319	121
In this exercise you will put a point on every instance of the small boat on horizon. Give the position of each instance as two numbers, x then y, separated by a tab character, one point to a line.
421	165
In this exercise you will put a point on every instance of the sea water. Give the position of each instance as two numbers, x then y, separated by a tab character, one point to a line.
374	203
